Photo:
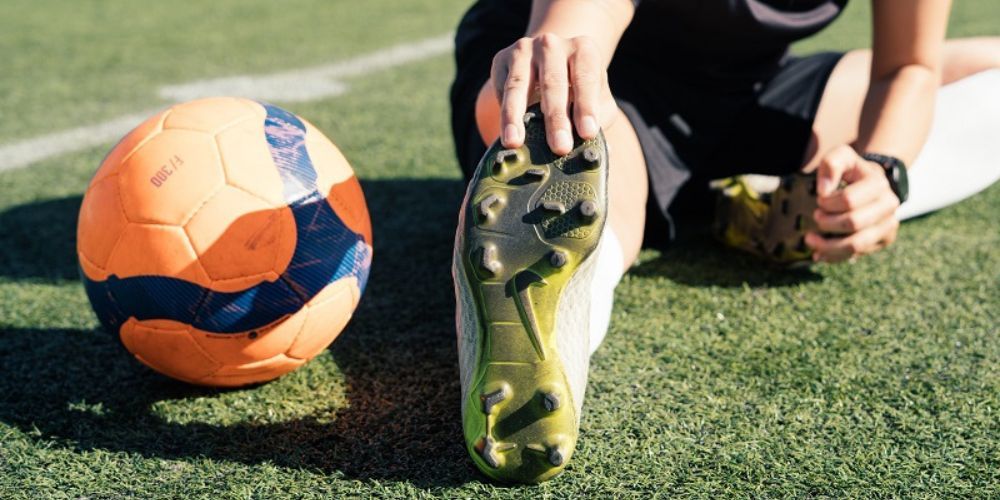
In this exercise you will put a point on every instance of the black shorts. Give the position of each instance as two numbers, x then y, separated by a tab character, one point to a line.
689	133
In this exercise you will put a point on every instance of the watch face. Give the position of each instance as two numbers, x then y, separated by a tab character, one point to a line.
901	183
895	172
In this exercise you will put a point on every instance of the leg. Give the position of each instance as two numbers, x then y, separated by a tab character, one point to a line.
967	56
840	107
959	158
627	179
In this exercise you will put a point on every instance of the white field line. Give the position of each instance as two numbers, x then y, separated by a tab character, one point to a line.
304	84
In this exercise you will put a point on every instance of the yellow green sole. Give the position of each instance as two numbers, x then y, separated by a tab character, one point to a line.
531	219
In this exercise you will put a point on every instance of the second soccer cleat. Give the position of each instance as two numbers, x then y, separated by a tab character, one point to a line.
768	221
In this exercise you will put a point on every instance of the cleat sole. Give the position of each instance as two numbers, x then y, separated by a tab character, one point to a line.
539	235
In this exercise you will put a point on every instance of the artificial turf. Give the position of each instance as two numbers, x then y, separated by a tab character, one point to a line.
718	377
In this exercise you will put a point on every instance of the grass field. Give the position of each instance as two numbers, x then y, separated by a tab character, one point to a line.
718	377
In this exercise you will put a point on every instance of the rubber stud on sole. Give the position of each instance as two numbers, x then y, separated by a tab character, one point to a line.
554	206
536	173
492	399
486	206
556	457
551	401
588	209
502	159
591	156
558	258
489	260
506	154
490	451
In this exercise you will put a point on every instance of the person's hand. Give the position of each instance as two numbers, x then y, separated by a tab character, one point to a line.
555	71
857	219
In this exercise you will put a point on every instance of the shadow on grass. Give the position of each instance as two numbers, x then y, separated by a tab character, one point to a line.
397	356
695	258
700	261
38	240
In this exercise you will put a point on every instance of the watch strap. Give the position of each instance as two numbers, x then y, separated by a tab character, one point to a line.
895	172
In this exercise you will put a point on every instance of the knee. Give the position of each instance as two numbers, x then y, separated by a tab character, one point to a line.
488	113
993	60
987	52
966	57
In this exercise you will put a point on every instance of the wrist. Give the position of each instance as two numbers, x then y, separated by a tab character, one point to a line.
895	173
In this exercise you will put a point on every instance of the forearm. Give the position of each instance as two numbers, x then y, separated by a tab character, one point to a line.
897	112
602	20
907	46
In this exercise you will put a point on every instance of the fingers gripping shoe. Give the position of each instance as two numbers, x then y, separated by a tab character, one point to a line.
525	254
767	221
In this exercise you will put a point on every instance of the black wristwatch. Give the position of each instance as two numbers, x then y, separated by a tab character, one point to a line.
895	171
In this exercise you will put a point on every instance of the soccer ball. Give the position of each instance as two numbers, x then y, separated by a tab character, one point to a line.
225	241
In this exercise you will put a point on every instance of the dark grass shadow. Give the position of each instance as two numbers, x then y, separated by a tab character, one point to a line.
704	262
38	240
401	422
696	258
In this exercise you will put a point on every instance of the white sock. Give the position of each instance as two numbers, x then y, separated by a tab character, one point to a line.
962	154
602	289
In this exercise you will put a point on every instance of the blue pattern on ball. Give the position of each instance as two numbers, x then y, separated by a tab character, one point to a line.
326	251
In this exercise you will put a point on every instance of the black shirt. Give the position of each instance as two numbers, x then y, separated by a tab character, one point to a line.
716	43
722	42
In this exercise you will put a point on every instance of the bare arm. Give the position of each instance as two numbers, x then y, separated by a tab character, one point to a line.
565	54
906	73
602	20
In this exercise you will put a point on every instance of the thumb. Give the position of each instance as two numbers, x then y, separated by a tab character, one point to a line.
832	169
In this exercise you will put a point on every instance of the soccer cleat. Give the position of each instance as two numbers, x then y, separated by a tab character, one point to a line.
525	254
767	221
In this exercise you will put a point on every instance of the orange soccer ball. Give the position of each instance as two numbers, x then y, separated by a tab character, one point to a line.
225	241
